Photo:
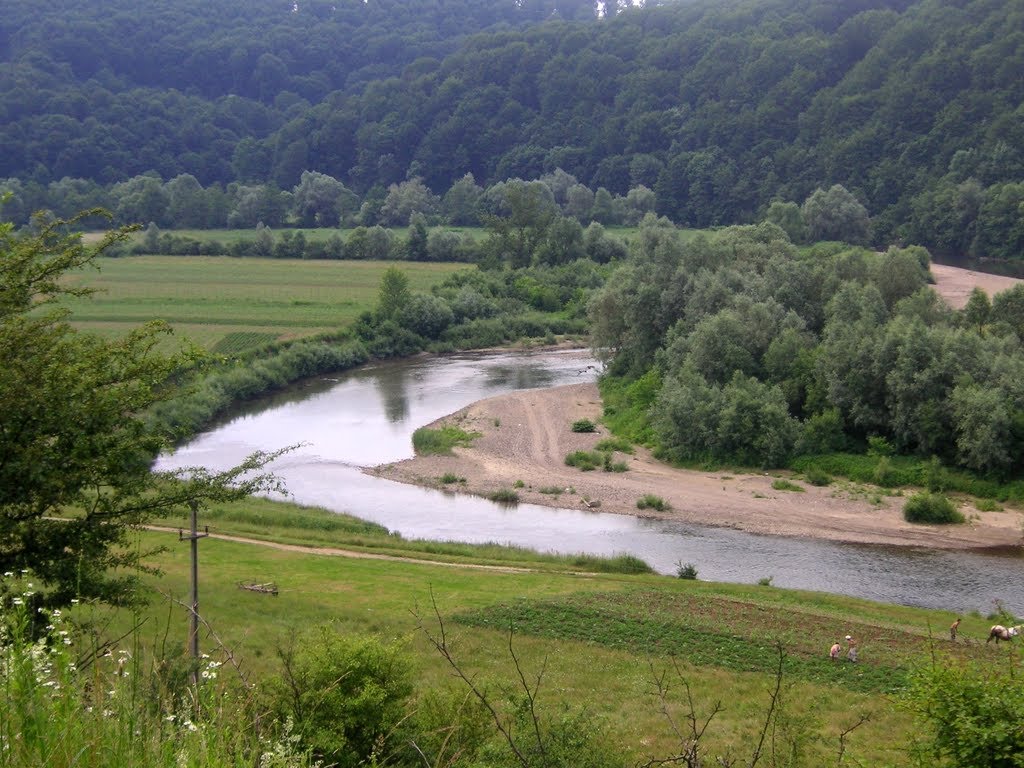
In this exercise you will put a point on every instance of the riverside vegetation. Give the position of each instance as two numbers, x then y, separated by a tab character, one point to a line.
524	697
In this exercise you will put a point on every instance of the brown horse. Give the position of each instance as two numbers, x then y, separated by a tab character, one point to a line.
999	632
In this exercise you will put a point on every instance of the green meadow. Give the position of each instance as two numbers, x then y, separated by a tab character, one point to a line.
213	300
599	641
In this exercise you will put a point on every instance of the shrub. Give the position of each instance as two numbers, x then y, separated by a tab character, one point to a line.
988	505
650	501
686	571
345	693
584	460
504	496
879	446
781	484
427	441
610	444
584	425
931	508
970	713
448	478
765	581
818	477
884	474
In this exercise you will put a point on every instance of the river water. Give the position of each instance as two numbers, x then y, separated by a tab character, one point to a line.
366	417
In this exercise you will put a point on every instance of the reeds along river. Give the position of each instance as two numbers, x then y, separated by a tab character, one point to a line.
366	417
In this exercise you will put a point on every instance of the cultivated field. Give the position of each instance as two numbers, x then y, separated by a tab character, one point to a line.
211	300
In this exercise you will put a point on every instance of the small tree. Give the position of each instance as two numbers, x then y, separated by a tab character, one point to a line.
394	293
75	450
978	310
835	214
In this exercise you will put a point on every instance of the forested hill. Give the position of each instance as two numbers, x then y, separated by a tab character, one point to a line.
718	105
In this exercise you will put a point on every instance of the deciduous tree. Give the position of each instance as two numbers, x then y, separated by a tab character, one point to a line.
75	448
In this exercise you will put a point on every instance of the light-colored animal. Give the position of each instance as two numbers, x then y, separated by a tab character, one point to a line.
999	632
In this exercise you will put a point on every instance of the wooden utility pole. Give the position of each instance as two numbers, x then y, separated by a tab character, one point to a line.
193	635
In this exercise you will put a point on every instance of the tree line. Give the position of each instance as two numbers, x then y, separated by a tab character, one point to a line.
742	348
718	108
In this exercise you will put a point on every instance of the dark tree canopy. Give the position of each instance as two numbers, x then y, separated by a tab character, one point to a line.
719	106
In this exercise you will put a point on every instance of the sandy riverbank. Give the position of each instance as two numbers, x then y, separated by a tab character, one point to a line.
525	437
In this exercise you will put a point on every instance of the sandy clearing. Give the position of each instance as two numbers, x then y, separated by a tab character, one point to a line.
525	437
955	284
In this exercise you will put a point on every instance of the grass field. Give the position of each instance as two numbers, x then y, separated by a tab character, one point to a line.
600	638
206	298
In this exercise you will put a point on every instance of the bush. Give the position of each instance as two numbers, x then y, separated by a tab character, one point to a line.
584	425
970	713
610	444
782	484
818	477
614	466
585	460
427	441
931	508
650	501
344	693
504	496
687	571
988	505
884	475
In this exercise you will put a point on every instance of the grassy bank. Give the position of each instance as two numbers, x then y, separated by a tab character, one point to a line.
601	640
225	303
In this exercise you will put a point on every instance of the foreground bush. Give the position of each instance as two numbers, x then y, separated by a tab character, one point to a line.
345	694
971	714
931	508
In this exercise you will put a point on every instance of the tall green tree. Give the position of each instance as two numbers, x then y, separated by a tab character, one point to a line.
393	294
75	450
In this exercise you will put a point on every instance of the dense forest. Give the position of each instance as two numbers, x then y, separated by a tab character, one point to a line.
742	348
719	108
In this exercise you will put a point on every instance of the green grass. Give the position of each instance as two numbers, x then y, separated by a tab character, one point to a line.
427	441
221	301
650	501
598	638
781	484
585	460
611	444
297	525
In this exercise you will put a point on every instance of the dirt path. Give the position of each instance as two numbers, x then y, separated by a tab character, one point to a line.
336	552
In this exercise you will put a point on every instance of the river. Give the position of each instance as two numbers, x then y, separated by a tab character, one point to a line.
366	417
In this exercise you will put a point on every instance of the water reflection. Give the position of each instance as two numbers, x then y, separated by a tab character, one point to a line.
393	390
367	417
525	376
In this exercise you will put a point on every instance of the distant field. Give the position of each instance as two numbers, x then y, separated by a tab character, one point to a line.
228	237
210	299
